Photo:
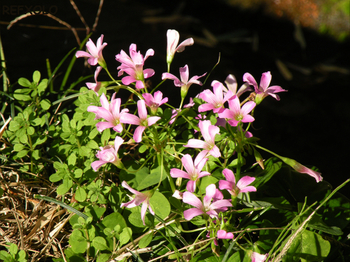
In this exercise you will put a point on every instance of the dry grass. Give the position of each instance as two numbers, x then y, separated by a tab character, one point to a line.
38	227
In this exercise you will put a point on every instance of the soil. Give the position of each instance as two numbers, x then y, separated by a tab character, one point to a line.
311	121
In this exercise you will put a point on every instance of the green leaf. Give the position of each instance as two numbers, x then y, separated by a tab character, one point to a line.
37	121
144	242
94	132
36	76
72	159
39	141
80	194
103	257
106	135
30	130
309	246
13	249
45	104
78	173
160	204
24	82
42	86
78	242
18	147
125	235
135	218
99	243
149	180
65	186
22	153
143	148
22	97
114	219
92	144
36	154
22	256
206	181
15	125
5	256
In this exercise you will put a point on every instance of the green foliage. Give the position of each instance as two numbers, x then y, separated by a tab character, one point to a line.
290	216
13	254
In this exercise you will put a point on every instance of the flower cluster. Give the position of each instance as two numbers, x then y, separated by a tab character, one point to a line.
218	110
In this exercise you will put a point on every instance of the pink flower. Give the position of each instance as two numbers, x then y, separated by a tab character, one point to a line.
177	194
194	171
207	207
142	121
263	89
190	104
231	84
133	66
97	85
208	132
230	183
140	198
215	101
222	234
302	169
184	83
173	37
155	101
108	154
95	52
236	114
174	113
110	112
256	257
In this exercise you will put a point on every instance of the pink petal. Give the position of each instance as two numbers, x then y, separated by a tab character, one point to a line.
118	141
187	42
247	107
215	152
205	107
192	212
142	111
127	80
79	54
244	182
139	84
97	164
250	80
174	172
187	163
210	192
103	125
125	185
229	175
256	257
220	204
225	185
152	120
129	119
191	199
195	143
177	82
191	186
143	212
138	133
222	234
147	73
265	80
184	74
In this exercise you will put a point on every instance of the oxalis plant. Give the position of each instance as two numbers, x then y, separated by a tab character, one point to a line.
146	180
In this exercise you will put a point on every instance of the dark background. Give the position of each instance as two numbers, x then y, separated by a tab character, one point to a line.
309	124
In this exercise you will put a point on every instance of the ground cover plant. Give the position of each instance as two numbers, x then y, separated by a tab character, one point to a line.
115	171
